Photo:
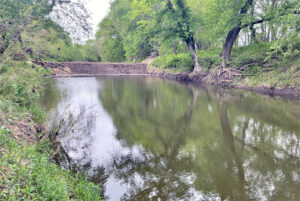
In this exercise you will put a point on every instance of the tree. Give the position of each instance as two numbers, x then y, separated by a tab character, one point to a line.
285	8
173	19
185	31
15	17
111	42
234	32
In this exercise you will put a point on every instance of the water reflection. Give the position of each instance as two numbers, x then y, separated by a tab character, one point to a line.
148	139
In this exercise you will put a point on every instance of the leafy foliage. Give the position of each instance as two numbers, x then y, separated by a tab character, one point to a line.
29	175
21	83
135	30
181	61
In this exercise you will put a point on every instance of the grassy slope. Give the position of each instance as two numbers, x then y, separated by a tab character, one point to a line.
25	170
27	174
278	71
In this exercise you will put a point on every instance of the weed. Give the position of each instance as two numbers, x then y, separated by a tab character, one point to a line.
38	114
30	176
25	170
183	61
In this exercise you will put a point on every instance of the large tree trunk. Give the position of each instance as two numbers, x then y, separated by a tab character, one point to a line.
230	39
191	46
233	33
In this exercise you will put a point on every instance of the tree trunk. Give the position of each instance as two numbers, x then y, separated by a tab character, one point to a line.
253	34
233	33
199	45
230	39
175	48
252	29
191	46
268	32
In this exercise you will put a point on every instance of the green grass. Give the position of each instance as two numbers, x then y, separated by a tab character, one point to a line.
255	53
210	58
20	87
27	174
38	114
178	62
274	64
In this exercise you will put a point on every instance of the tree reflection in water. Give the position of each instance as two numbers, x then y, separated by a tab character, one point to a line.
181	142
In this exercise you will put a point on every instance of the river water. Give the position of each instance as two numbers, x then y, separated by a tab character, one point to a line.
142	138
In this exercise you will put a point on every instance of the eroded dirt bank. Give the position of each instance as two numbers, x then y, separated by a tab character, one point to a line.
228	78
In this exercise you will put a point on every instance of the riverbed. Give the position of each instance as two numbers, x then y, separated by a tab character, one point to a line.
143	138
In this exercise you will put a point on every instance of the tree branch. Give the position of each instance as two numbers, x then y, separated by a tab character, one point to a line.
266	19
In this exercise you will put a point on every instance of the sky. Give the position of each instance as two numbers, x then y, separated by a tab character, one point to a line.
99	9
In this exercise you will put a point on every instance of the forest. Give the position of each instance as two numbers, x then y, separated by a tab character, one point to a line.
252	37
199	34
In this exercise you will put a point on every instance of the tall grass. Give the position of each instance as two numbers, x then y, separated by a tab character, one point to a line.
27	174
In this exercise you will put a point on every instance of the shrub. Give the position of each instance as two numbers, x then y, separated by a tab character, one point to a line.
4	69
30	176
209	58
38	114
20	88
181	61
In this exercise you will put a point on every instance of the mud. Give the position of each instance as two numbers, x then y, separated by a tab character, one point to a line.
26	130
227	79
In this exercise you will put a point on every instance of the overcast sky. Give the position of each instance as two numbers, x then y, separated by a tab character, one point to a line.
99	9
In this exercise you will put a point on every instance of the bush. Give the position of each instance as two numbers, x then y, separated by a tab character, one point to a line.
181	61
49	42
38	114
209	58
3	69
30	176
20	88
287	48
27	173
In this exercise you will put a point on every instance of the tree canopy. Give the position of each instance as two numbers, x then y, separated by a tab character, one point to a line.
137	29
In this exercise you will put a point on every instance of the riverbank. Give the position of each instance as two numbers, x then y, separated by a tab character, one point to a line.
227	79
26	170
280	81
254	68
25	165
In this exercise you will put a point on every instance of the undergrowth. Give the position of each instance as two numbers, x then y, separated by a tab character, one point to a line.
180	62
27	174
20	88
273	64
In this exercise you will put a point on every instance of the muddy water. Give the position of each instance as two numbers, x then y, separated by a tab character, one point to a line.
147	139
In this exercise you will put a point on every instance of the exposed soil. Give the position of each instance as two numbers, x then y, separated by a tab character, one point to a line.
224	78
227	79
25	130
